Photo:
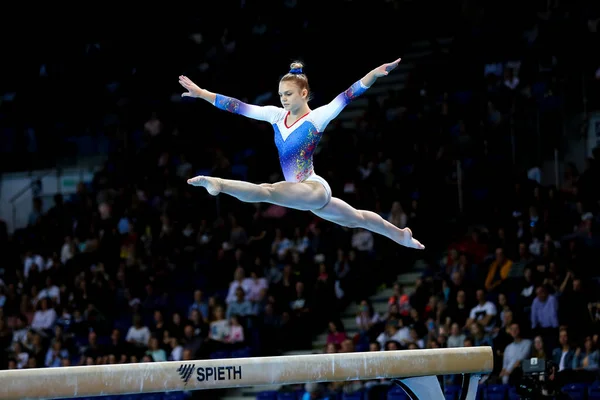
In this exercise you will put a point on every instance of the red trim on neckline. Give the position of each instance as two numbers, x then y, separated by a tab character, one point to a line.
285	119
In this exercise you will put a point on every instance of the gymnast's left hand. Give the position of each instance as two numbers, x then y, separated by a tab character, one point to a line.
385	69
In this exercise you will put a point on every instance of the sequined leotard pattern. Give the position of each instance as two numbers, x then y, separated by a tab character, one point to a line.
296	143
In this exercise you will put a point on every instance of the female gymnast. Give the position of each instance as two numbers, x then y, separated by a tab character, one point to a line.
298	130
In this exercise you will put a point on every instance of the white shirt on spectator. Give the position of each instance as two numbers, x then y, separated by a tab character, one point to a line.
22	359
66	253
43	319
362	240
53	292
30	261
245	284
482	310
514	353
219	330
176	353
402	336
20	335
255	287
138	336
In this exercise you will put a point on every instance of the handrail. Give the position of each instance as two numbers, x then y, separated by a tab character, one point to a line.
26	188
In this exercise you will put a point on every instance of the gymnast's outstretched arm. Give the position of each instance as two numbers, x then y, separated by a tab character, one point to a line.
323	115
226	103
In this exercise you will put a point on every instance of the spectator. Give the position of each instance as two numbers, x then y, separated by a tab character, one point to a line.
240	307
587	358
544	314
336	333
563	355
138	335
514	354
200	305
484	312
498	271
456	338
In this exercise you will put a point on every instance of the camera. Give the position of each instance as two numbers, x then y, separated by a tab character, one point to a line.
539	380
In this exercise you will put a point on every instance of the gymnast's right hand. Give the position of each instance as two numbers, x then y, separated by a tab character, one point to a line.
192	89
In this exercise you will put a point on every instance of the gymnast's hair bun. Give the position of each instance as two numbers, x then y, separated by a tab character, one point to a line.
296	68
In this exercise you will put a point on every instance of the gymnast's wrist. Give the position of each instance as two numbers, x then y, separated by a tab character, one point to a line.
201	94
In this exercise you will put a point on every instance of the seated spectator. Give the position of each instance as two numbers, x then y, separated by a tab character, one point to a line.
484	312
200	305
544	314
55	354
456	338
367	320
240	307
479	336
45	317
155	351
564	354
458	311
239	281
176	350
336	333
236	331
514	353
587	358
538	350
138	334
394	331
219	326
498	271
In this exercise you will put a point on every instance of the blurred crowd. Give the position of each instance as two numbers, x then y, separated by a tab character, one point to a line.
137	266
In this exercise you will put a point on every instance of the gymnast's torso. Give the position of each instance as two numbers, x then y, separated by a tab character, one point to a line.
295	142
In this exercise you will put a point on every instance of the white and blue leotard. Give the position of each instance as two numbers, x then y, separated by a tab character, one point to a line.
295	143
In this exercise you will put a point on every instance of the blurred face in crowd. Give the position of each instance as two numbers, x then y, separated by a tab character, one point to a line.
563	338
538	343
515	331
480	296
541	293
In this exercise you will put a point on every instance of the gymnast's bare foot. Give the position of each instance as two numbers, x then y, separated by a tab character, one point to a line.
407	240
212	185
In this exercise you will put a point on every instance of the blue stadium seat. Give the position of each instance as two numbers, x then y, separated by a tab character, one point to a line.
287	396
594	391
512	394
174	396
219	354
397	393
480	392
241	353
451	392
496	392
576	391
267	395
358	395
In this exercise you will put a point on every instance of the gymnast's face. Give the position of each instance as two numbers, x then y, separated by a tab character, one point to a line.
291	96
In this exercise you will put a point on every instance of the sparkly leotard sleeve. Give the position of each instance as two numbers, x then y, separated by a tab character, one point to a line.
297	142
262	113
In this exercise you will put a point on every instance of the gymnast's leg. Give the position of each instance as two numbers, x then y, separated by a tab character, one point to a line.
301	196
341	213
